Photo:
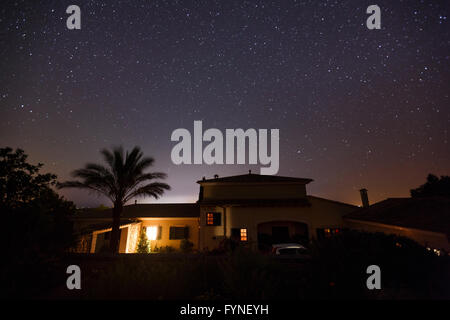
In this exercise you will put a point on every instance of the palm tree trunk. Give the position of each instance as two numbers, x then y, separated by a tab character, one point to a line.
115	233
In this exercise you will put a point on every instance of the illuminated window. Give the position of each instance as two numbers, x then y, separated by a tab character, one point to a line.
213	219
239	234
152	232
243	234
210	218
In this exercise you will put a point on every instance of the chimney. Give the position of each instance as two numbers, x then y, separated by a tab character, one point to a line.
200	194
135	201
216	176
364	198
249	171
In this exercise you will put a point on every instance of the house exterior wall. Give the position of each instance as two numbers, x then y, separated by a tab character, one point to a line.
99	242
434	240
254	191
133	237
321	214
165	224
123	240
128	235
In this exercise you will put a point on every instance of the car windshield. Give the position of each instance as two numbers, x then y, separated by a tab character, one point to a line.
288	251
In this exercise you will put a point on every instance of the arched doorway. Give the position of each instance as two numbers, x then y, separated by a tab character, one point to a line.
273	232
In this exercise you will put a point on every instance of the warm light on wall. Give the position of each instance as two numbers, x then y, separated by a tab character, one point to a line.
152	232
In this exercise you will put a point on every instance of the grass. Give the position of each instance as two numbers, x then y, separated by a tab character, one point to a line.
337	270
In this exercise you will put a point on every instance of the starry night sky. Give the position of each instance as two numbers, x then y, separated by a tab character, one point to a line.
355	107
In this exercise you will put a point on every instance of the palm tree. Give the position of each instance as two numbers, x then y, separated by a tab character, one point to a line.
122	179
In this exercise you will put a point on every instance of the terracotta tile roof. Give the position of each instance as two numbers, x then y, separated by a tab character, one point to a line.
163	210
250	178
298	202
432	214
333	201
102	226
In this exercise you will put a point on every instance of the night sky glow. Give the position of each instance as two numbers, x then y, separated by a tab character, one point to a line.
355	107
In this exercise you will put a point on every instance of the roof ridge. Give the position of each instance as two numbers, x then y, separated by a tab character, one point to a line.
256	178
335	201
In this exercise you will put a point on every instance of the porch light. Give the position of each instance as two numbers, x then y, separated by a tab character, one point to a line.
152	232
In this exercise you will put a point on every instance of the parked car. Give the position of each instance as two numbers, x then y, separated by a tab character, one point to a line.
288	248
293	250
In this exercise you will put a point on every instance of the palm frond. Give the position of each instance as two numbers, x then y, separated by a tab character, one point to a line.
108	157
82	185
154	189
122	178
146	177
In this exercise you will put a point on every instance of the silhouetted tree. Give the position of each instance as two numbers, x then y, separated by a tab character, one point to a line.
121	180
433	187
36	226
36	216
21	182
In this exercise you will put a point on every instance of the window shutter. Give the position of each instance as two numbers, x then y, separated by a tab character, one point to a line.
217	219
158	236
186	232
177	233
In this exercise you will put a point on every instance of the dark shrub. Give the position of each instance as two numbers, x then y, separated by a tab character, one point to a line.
186	246
265	242
408	270
37	229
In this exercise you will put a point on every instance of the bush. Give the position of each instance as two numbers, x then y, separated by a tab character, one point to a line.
37	231
186	246
166	249
337	270
240	275
226	246
408	270
143	244
265	242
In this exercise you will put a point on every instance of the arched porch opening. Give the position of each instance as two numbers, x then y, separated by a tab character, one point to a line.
273	232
